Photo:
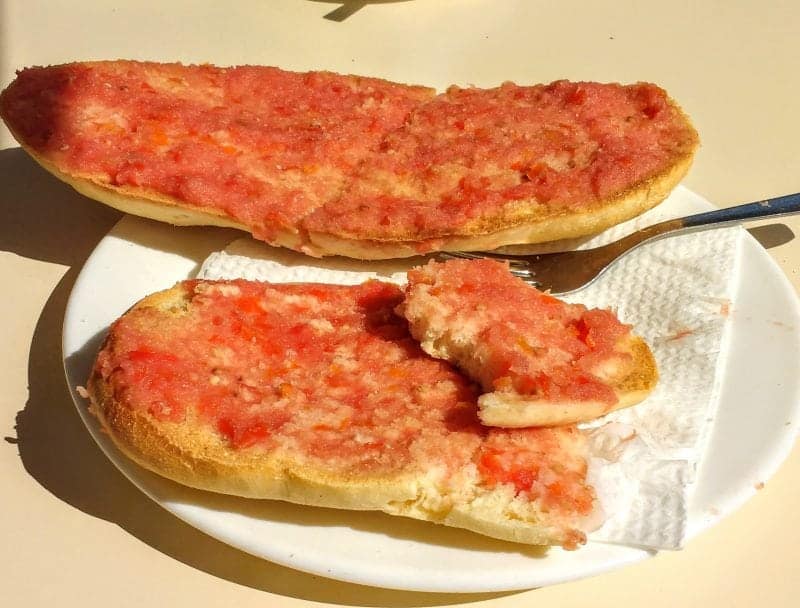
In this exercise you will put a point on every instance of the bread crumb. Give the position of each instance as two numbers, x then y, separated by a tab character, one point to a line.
679	335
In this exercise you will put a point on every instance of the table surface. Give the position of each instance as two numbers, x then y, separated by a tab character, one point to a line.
77	533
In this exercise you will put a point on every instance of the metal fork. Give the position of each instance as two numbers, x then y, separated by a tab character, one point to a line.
568	271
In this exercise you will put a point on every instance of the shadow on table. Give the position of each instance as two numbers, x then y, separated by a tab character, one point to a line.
772	235
348	8
42	219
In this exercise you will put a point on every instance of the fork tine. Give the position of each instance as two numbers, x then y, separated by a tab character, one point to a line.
531	281
520	272
526	275
464	255
519	268
468	255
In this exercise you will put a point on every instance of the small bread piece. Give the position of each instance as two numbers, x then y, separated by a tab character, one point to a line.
540	361
332	164
317	394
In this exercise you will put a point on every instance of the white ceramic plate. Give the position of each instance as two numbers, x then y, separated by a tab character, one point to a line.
749	440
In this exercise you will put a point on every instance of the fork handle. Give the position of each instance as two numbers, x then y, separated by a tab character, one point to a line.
781	205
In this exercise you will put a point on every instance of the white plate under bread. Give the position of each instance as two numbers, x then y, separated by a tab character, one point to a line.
377	549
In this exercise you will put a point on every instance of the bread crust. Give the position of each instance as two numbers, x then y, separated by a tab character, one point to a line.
155	205
194	455
525	227
507	411
519	229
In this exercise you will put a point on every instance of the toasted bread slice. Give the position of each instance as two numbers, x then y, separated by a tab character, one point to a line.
540	361
251	147
317	394
330	164
480	168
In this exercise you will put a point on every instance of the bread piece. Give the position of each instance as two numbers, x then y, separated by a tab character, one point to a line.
330	164
252	147
477	169
317	394
540	361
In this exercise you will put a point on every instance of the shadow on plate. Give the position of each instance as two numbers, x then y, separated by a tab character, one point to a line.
42	219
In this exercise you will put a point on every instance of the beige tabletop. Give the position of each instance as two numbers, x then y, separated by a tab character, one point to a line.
77	533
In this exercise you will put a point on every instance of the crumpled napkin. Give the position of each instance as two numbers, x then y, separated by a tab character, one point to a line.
677	293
